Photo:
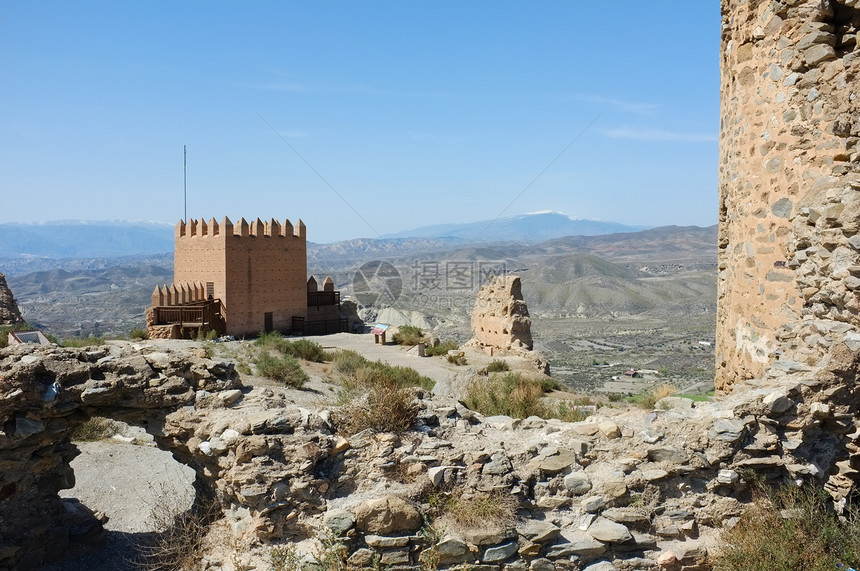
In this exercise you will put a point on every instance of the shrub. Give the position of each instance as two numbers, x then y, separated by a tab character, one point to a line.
82	341
94	428
347	362
179	543
513	395
498	366
408	335
440	349
283	368
138	334
458	360
388	407
474	511
307	350
300	348
208	349
789	529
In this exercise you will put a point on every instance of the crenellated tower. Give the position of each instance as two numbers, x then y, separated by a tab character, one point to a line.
256	270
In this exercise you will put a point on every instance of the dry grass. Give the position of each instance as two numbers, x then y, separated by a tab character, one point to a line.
179	541
456	511
791	529
95	428
519	397
387	407
283	368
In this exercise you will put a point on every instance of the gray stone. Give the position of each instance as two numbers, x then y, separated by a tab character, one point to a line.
25	427
538	531
819	53
608	531
579	544
577	483
558	462
394	557
591	504
654	475
668	454
230	396
498	465
362	558
542	565
625	515
650	436
727	477
383	541
500	552
338	520
94	394
782	208
609	429
600	566
451	546
727	430
777	403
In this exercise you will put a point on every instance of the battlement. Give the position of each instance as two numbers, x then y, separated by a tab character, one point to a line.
178	294
256	228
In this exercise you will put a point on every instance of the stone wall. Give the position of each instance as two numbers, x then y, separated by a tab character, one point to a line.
500	318
9	312
254	268
789	183
625	489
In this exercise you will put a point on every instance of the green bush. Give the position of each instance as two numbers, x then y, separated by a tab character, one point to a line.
283	368
458	360
498	366
789	529
300	348
138	334
348	362
440	349
408	335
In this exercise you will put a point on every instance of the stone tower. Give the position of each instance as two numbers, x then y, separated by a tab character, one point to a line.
789	281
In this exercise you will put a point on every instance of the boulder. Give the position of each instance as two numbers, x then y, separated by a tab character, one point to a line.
385	515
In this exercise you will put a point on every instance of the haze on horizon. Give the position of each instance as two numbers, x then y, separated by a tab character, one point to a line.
414	114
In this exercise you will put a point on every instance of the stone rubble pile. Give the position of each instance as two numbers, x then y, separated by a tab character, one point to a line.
624	489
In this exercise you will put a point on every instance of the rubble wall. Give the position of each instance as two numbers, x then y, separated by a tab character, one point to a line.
789	182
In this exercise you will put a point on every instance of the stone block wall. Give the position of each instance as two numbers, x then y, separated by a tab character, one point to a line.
255	269
789	182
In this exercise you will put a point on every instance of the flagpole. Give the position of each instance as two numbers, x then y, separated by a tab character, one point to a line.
185	182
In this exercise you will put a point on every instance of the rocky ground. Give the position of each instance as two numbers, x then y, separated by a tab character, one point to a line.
625	489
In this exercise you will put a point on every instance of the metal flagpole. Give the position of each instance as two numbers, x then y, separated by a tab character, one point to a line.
185	182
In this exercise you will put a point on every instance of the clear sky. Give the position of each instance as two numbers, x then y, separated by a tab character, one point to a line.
415	112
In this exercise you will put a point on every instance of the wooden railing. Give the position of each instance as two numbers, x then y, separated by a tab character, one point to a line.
203	314
319	298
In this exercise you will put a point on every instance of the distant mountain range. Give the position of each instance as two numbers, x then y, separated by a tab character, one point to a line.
534	227
105	239
84	239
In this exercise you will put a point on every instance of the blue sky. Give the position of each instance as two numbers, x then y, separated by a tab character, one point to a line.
414	112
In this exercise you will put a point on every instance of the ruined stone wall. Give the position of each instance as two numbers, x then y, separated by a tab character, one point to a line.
789	183
9	312
255	269
500	318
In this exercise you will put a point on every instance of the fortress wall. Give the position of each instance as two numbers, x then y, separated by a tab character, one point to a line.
264	263
789	183
267	274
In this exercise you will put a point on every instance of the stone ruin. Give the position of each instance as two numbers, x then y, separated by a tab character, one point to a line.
623	490
500	321
9	312
789	242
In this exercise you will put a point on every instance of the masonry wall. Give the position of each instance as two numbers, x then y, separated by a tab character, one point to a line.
255	268
789	184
